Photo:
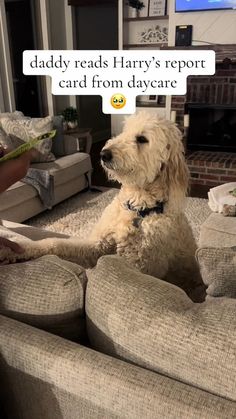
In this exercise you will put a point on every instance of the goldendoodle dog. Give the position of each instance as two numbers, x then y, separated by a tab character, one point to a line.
145	222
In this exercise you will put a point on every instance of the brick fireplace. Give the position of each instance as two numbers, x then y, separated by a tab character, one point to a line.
212	161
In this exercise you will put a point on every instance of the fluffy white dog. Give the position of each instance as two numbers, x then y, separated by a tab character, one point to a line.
145	222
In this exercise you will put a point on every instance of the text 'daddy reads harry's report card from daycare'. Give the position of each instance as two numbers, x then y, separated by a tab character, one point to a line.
119	76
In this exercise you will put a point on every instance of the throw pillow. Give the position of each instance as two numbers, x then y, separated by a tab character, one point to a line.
25	129
218	269
9	141
12	115
154	324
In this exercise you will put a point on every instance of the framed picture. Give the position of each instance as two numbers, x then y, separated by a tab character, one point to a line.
157	8
144	11
147	100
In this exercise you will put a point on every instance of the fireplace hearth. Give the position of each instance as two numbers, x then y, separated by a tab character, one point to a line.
211	127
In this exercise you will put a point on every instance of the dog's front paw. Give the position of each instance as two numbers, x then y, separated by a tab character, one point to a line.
8	256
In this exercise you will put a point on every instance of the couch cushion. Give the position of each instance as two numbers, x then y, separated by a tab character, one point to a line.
142	319
67	167
52	378
47	293
218	270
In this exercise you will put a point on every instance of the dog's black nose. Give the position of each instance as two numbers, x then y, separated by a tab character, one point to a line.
106	155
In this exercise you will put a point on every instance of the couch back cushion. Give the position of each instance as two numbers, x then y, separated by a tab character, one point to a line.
12	115
47	293
154	324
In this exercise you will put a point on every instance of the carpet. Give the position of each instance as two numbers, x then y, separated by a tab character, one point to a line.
77	215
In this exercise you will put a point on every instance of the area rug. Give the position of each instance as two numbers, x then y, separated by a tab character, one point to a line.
77	216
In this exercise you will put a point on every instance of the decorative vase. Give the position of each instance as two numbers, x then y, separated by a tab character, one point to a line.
72	124
65	125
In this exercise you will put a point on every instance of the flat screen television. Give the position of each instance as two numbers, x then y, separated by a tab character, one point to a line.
194	5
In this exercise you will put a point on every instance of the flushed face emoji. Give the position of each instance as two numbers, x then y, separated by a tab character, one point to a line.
118	101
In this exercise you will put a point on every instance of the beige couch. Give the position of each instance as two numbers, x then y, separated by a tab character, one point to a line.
21	201
111	343
71	171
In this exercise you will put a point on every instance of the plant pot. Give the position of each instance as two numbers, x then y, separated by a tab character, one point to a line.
72	124
133	13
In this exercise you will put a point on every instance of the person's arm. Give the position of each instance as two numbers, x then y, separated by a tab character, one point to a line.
10	172
13	170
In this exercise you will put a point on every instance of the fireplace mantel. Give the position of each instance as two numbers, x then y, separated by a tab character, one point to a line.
223	51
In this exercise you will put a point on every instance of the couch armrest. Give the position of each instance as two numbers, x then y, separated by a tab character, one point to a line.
32	233
45	376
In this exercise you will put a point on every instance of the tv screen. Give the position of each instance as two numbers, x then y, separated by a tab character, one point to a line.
193	5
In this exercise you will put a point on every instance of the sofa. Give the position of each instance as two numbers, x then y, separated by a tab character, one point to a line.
68	170
111	342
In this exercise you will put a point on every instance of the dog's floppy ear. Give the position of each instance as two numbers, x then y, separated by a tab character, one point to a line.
177	171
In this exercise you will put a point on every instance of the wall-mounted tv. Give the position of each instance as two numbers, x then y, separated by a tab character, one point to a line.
194	5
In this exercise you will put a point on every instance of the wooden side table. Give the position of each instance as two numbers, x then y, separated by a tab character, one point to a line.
83	136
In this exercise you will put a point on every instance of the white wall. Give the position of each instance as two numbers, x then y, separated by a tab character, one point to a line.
61	37
213	26
7	100
57	33
119	120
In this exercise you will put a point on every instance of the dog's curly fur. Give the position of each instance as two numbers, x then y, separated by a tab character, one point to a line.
158	244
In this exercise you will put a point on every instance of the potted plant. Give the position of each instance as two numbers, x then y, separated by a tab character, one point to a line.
70	116
136	6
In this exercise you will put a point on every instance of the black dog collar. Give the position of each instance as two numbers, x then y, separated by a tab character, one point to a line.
158	209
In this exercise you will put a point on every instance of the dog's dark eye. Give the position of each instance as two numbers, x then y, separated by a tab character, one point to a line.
141	139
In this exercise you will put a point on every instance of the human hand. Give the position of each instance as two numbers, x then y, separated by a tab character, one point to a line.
15	247
13	170
3	150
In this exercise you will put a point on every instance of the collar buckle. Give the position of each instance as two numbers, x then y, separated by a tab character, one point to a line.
158	209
